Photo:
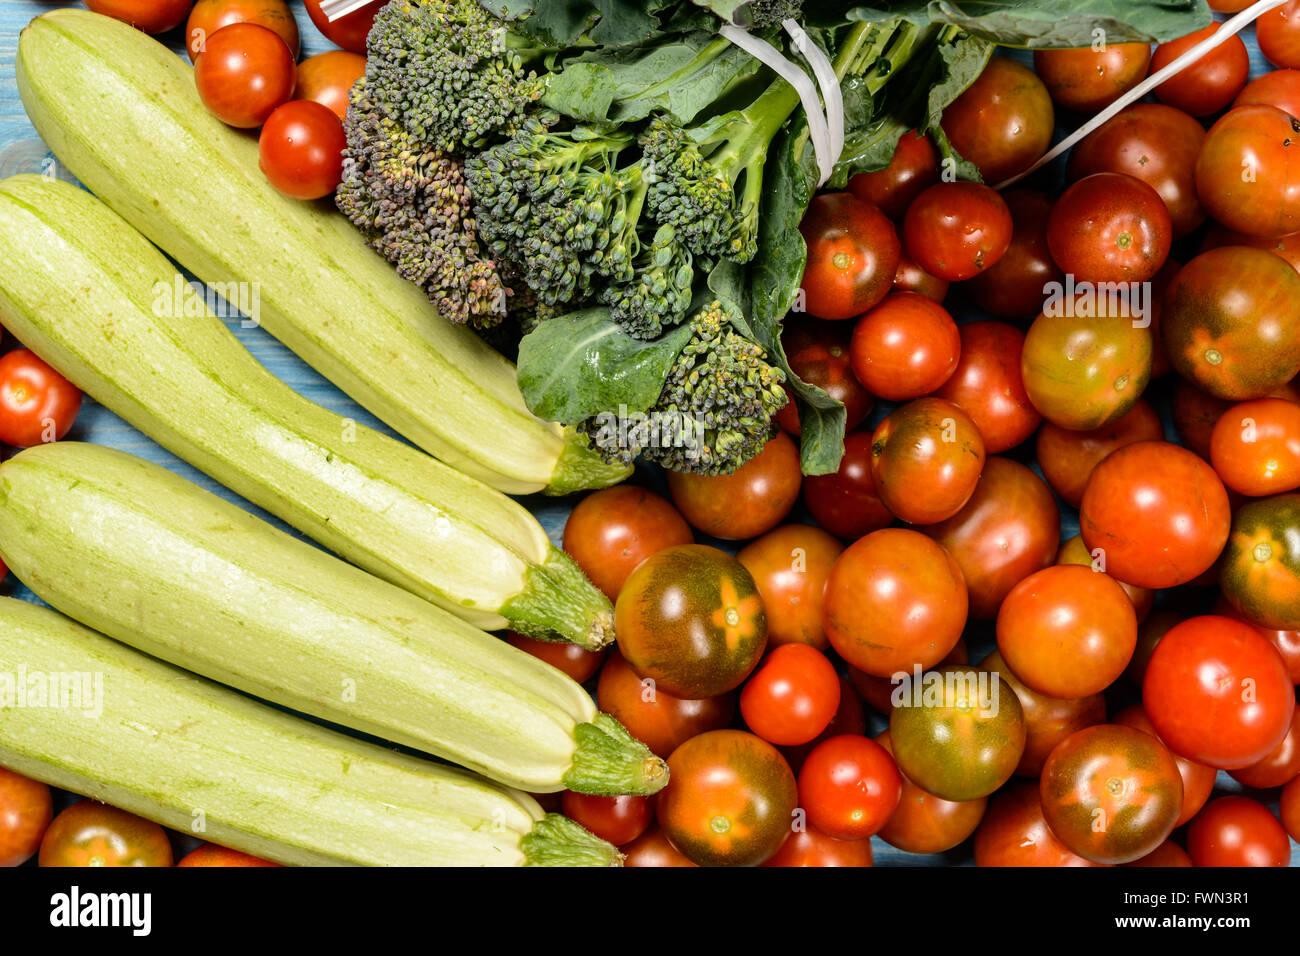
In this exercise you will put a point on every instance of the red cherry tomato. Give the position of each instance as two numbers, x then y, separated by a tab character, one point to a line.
618	820
244	72
349	32
1014	286
1290	808
219	856
1279	88
613	530
1237	831
792	695
1014	832
754	499
1245	174
1279	767
37	404
811	847
151	16
850	786
1068	457
1198	779
957	230
1278	33
1087	79
912	278
905	347
988	385
301	149
327	78
926	458
847	503
653	716
653	849
853	254
578	662
209	16
25	811
913	168
1003	121
1109	227
1209	84
790	565
1255	447
818	352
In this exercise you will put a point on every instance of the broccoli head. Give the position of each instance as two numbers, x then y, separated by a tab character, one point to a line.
410	202
450	72
770	13
715	410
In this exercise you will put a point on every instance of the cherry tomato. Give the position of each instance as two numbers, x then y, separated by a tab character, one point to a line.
1218	693
1111	793
924	823
878	692
613	530
244	73
93	834
894	599
1014	832
1285	642
1288	247
847	503
1260	570
327	78
988	387
349	32
1009	529
653	849
1209	84
1198	779
1279	767
1167	855
849	718
905	347
850	786
151	16
957	230
1158	512
690	618
618	820
1088	79
790	566
1290	808
1068	457
1110	227
853	253
730	799
37	404
913	168
301	149
1237	831
926	458
1255	447
1013	287
792	695
25	810
1245	174
1279	88
1067	631
753	500
1048	720
912	278
1074	551
1003	122
578	662
209	854
1156	144
818	352
811	847
1278	33
653	716
209	16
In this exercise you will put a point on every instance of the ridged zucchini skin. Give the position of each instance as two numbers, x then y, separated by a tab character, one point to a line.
148	558
95	300
182	751
121	111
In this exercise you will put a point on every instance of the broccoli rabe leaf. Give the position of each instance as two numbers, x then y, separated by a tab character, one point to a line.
575	366
566	22
760	13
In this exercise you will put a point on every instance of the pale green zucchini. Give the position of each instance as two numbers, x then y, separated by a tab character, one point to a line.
94	299
87	714
120	110
140	554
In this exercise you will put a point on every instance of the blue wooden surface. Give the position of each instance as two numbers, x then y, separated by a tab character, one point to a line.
21	150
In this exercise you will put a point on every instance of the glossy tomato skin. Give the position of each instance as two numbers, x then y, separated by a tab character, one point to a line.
613	530
93	834
211	855
1290	808
1009	529
1088	80
1278	88
1218	693
25	812
1068	457
1198	779
819	353
1246	175
150	16
1159	513
244	73
1209	84
812	847
752	500
1048	720
926	458
690	618
1255	447
1152	142
905	347
924	823
1286	642
653	716
327	78
578	662
37	404
652	849
912	278
790	566
1074	551
853	252
1278	33
301	149
1111	793
1260	570
957	733
1237	831
1067	631
1015	833
1012	288
849	718
1279	767
792	695
1083	372
1166	856
348	32
847	503
1110	227
913	168
618	820
730	799
894	599
209	16
988	387
1003	122
956	230
849	786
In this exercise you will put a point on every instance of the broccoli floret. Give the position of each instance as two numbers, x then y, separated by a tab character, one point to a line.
659	294
715	410
410	202
450	72
770	13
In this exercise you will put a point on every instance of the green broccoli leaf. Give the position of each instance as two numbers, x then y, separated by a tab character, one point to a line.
563	23
575	366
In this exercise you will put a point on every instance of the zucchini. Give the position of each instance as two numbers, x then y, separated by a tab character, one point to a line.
95	300
85	713
140	554
120	110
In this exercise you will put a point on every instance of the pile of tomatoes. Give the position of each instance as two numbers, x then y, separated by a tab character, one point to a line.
907	648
